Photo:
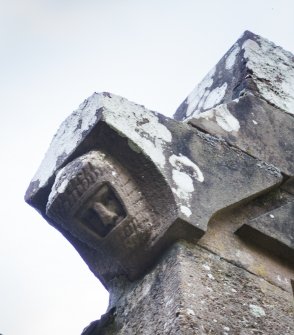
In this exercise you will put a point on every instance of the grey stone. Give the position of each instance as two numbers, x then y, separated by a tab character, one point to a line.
192	291
273	231
288	185
98	327
221	239
122	182
253	65
248	101
255	127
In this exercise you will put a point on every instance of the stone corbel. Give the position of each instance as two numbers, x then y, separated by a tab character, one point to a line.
122	183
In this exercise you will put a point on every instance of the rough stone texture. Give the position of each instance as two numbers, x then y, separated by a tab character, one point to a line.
253	65
192	291
221	239
188	225
255	127
177	177
288	186
248	100
273	231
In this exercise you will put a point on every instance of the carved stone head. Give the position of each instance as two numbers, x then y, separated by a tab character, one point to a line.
98	202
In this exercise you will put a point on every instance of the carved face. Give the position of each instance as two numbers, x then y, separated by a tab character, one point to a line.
102	206
110	215
103	211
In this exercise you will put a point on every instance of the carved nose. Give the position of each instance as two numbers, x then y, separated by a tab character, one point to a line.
107	216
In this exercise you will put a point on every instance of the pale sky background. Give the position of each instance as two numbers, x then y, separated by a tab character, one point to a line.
56	53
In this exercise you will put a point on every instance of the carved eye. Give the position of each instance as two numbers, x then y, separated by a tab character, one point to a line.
103	211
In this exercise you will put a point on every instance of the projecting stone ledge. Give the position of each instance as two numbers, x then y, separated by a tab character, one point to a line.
247	99
273	231
122	183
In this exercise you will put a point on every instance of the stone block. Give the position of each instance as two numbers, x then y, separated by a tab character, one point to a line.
221	239
288	185
248	100
192	291
253	65
122	182
273	231
255	127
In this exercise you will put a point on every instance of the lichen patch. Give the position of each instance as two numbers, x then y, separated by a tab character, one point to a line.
184	184
222	116
140	125
184	173
183	163
215	96
185	210
69	134
256	311
231	59
197	97
272	71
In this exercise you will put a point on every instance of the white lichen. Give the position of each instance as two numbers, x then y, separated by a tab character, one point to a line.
256	311
231	59
197	97
184	184
273	72
69	134
206	267
190	311
222	116
283	280
250	46
182	162
215	96
62	186
185	210
140	125
183	174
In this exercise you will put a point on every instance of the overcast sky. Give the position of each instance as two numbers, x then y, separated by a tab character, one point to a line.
56	53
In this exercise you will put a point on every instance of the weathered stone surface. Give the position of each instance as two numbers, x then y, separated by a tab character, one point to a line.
255	127
98	327
253	65
221	239
288	185
132	181
248	101
192	291
137	193
273	231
